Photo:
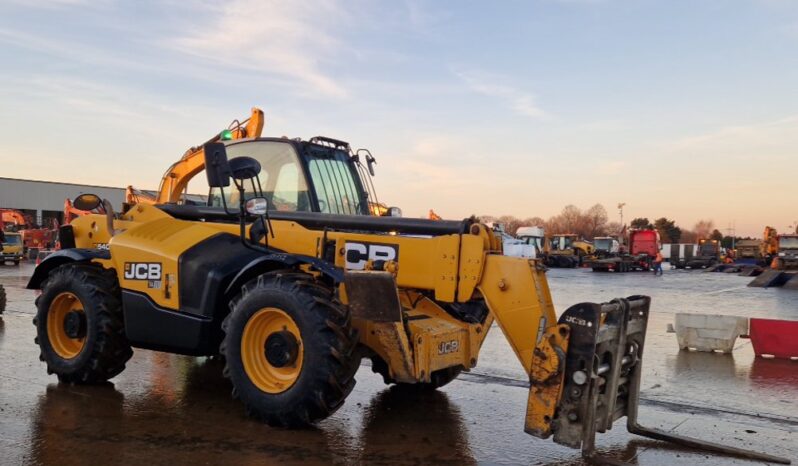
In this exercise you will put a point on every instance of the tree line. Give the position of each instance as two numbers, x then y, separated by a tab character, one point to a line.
595	221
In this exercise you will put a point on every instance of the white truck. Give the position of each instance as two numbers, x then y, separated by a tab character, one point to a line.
534	237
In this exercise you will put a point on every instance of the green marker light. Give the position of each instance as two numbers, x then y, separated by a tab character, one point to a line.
226	135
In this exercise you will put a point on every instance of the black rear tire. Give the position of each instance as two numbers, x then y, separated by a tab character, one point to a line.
326	365
105	349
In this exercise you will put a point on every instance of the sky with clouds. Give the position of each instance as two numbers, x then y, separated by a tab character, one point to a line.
684	109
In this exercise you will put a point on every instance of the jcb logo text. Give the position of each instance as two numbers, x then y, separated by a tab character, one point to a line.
357	254
447	347
142	271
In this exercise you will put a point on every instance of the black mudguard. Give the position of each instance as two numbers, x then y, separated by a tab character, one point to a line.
64	256
280	260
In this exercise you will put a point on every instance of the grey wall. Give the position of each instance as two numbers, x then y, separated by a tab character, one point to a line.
46	195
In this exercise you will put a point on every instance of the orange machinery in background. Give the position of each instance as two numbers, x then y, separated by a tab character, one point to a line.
175	180
32	236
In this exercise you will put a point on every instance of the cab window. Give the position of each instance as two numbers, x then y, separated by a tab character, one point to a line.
281	177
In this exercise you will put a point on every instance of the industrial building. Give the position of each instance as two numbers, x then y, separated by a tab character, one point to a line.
44	200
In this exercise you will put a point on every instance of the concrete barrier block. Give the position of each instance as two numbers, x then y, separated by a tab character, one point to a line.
706	332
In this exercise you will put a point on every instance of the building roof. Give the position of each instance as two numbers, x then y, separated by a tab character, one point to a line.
59	182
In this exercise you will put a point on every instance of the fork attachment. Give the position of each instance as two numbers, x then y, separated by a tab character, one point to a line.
602	379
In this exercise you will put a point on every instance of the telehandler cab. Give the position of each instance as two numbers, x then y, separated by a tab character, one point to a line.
292	290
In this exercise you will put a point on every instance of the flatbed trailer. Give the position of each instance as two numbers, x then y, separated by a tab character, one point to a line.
625	263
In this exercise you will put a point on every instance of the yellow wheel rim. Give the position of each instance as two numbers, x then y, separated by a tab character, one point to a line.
64	345
272	371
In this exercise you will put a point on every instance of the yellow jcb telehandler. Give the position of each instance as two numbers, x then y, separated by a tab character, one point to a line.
286	276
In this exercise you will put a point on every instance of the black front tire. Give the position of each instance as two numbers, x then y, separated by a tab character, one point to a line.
105	349
329	360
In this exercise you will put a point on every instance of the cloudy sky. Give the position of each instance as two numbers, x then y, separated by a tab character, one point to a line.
685	109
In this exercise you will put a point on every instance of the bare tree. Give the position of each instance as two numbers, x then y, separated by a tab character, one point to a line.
613	228
688	236
510	223
595	222
703	228
534	222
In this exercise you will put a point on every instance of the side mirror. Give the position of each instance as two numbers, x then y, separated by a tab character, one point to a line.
370	162
87	202
244	168
257	206
216	166
393	212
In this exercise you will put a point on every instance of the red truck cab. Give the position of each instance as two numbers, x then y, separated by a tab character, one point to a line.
644	242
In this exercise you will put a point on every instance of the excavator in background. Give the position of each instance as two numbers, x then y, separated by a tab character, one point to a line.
769	248
175	181
779	251
294	299
567	250
13	220
172	189
138	196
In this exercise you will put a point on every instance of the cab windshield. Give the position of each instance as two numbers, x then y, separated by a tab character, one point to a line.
788	242
334	184
283	181
603	244
536	241
13	240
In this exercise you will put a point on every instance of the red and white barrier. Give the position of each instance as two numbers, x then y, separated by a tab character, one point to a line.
705	332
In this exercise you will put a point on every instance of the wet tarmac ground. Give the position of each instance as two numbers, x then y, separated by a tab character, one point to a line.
173	410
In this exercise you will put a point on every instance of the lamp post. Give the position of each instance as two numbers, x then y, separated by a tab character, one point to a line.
731	231
620	211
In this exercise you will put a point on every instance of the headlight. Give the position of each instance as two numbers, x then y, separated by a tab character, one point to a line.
394	212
